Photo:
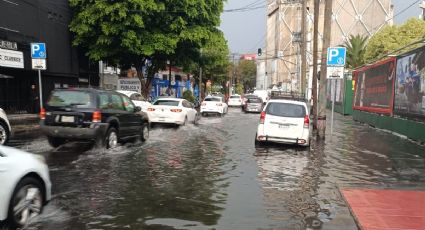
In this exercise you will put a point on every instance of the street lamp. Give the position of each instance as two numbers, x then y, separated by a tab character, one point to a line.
422	6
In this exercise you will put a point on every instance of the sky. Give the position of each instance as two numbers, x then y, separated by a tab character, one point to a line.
245	31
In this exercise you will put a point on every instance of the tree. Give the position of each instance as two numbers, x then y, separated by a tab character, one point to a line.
391	38
247	70
356	48
136	32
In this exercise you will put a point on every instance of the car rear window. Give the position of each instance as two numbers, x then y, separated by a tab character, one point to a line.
167	102
285	109
234	96
77	99
212	99
254	100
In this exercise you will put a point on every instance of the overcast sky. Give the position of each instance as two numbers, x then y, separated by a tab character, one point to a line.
245	31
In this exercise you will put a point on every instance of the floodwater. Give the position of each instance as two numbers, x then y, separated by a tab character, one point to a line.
210	176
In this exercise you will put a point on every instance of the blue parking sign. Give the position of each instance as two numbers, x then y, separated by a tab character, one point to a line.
38	50
336	56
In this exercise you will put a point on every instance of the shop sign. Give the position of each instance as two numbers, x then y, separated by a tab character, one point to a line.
8	45
10	58
130	84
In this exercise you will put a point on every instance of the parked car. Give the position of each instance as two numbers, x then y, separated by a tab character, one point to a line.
284	121
103	117
137	99
235	100
253	104
214	104
5	129
25	187
172	111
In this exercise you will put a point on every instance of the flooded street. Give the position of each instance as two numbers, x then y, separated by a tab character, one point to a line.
210	176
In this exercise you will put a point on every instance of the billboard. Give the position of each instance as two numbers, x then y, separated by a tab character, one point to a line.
410	85
129	84
374	87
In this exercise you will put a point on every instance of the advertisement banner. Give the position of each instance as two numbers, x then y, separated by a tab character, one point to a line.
11	58
410	85
374	87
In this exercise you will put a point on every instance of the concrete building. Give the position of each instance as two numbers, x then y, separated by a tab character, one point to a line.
283	39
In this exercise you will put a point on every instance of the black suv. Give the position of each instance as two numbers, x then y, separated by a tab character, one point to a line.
82	114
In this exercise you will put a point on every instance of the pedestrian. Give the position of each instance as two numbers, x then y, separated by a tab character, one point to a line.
34	100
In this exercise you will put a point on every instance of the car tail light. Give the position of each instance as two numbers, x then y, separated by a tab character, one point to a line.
176	110
151	109
262	117
97	117
306	121
219	104
204	104
42	113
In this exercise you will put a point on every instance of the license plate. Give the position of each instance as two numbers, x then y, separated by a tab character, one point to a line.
283	126
67	119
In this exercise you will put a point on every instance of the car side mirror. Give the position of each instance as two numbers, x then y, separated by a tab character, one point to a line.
137	109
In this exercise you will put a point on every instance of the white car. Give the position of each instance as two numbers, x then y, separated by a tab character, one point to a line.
263	94
25	186
5	129
284	121
235	100
137	99
172	111
213	104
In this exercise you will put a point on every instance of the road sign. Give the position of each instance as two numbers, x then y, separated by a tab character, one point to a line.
38	50
39	64
336	56
335	72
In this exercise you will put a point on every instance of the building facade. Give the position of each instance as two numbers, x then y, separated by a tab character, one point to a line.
284	40
24	22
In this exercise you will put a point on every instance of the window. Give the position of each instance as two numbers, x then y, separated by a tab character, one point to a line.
285	110
254	100
116	102
187	104
103	101
167	102
77	99
137	97
237	97
129	106
212	99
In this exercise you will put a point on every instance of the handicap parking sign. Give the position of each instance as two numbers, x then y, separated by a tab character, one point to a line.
336	56
38	50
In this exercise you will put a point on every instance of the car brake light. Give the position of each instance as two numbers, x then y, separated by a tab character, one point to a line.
176	110
151	109
42	113
262	117
306	121
219	104
97	117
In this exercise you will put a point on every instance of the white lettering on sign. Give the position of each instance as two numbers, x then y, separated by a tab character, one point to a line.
10	58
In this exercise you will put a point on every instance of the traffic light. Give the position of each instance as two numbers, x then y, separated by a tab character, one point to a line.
260	51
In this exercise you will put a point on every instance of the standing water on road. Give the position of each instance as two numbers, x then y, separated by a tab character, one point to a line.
210	176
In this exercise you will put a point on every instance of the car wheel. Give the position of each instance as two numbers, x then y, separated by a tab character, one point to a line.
203	114
185	121
144	136
55	141
257	142
26	202
111	139
4	134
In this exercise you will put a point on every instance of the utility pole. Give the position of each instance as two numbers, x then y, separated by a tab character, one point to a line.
321	118
200	83
304	46
315	53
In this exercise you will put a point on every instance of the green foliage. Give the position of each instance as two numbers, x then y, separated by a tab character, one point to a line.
355	51
188	96
247	71
239	89
391	38
129	32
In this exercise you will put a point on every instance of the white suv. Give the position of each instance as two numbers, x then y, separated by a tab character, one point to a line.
5	128
235	100
284	121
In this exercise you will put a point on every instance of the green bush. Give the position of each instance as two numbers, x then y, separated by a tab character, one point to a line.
188	96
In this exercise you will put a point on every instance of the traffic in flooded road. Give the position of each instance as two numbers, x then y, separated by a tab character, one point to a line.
211	176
